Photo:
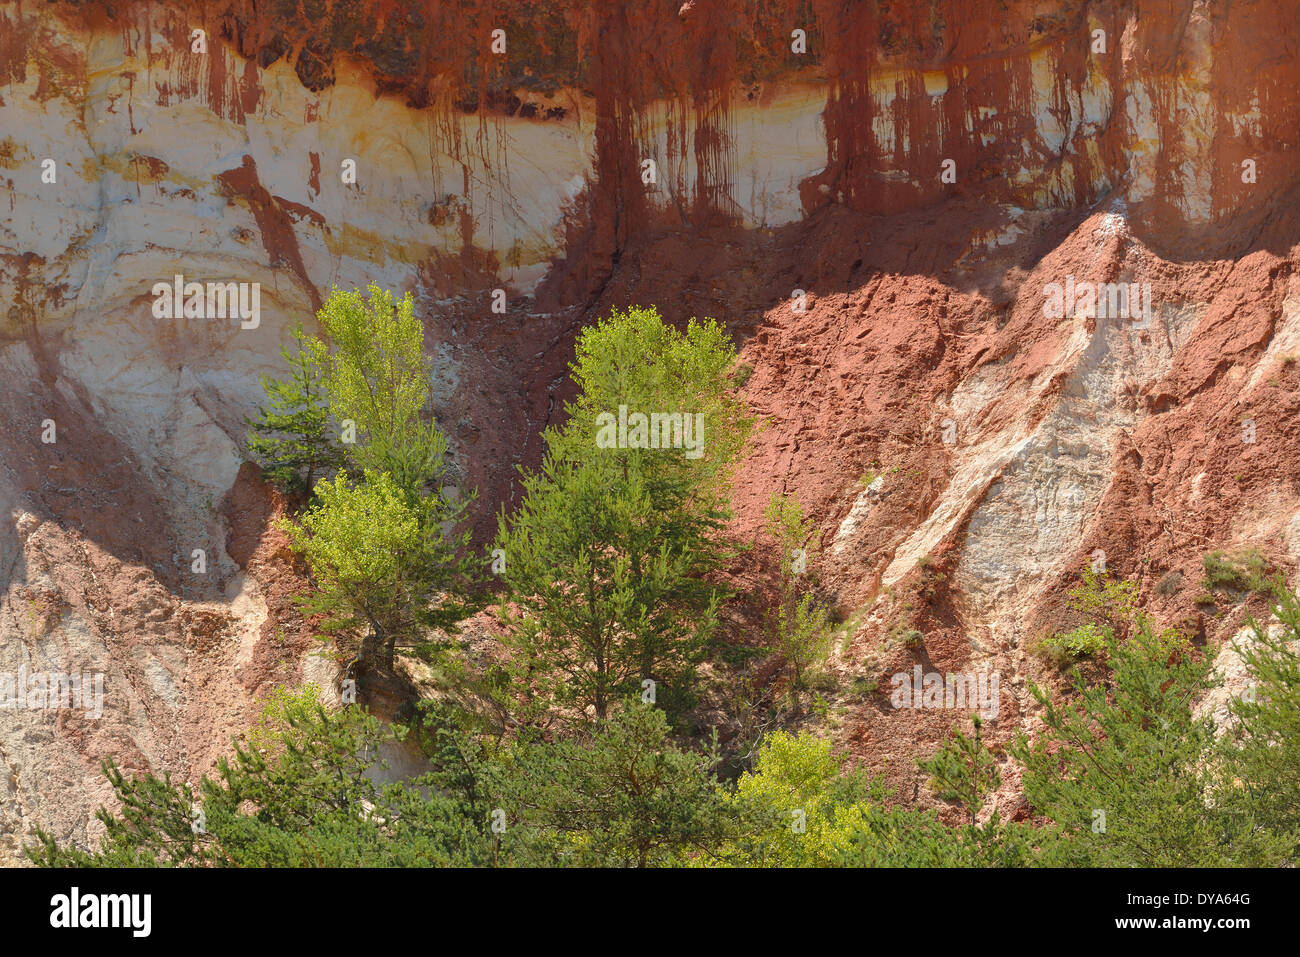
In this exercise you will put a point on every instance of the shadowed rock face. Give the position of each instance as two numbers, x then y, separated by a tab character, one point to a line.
924	172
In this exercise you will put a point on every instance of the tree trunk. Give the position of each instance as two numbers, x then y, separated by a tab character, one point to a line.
372	646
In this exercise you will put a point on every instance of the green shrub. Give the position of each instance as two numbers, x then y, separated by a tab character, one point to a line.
1246	570
862	685
1082	642
963	770
902	633
822	681
1100	597
801	624
1170	584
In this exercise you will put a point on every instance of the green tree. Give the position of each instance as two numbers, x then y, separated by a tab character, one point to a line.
292	438
308	801
799	808
383	553
378	380
1131	774
906	837
621	795
801	626
635	360
963	770
383	561
795	808
576	603
1264	739
611	554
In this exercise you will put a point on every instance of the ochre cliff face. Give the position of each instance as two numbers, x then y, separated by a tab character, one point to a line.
923	172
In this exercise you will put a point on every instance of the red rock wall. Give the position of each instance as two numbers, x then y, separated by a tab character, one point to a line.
925	306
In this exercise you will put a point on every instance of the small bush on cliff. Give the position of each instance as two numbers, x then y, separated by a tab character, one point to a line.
903	634
1102	599
1083	642
1246	570
1170	584
1107	606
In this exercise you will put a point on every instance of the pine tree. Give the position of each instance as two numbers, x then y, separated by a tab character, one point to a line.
1264	744
620	795
1132	774
589	577
609	556
964	770
310	800
801	626
292	438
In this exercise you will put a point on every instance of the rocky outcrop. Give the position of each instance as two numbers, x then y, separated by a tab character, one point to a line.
923	174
